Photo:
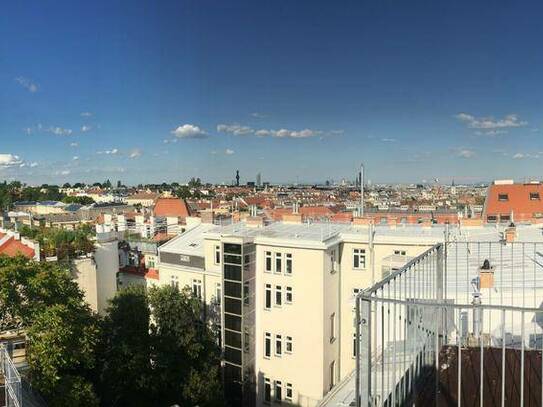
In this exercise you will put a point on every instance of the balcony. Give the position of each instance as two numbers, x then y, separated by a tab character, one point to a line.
460	324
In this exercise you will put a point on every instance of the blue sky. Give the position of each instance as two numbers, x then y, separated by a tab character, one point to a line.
297	90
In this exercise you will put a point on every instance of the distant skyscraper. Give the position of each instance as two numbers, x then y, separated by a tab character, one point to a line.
237	178
258	180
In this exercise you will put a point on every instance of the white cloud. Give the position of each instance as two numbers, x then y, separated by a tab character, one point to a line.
490	123
85	128
135	153
86	114
235	129
27	84
75	158
9	160
33	164
284	133
113	151
388	140
258	115
228	151
491	132
63	172
465	153
59	131
28	130
74	144
520	156
189	131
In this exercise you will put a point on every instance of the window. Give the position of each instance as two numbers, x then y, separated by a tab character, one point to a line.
332	374
278	262
383	220
288	295
278	295
333	327
217	254
197	288
246	300
491	218
246	340
267	390
355	345
359	259
288	393
267	305
403	220
288	264
505	218
333	260
534	196
268	262
278	345
267	345
174	281
288	344
356	291
218	293
278	391
400	252
503	197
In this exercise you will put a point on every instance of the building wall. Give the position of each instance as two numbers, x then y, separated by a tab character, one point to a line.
302	320
106	257
84	274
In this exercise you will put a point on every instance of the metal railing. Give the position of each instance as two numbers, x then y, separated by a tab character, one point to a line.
11	379
459	324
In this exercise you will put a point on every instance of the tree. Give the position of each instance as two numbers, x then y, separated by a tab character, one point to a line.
62	330
185	355
61	354
124	367
82	200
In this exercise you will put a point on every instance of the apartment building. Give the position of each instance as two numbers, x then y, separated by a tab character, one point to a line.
283	297
507	201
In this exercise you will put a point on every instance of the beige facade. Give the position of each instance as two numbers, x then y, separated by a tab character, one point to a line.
302	294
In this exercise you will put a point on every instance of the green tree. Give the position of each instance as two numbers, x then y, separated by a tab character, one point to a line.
83	200
125	371
186	357
61	354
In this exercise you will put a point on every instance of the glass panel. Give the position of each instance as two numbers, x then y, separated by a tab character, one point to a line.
232	339
232	248
232	272
232	355
230	258
232	306
232	289
232	322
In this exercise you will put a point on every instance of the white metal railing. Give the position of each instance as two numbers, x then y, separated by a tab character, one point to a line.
12	379
458	309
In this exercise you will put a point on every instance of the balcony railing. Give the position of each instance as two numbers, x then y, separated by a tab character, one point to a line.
460	324
11	379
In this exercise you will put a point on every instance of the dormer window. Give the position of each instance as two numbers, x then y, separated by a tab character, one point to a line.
534	196
503	197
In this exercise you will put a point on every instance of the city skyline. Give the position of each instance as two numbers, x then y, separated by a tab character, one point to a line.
295	91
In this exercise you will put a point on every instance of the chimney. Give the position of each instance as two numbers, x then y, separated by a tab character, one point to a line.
486	275
207	216
292	218
255	221
510	233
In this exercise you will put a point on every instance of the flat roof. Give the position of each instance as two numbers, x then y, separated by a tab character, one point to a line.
190	242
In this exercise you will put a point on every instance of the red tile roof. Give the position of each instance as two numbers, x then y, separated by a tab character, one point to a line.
14	248
518	201
171	207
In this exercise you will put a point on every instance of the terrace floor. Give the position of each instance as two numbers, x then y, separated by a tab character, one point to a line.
425	394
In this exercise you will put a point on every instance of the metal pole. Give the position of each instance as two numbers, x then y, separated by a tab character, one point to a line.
361	190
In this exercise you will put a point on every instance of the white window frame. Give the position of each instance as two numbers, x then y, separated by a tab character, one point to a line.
288	344
197	288
355	348
332	374
333	261
268	339
400	252
278	296
278	349
218	292
288	260
267	395
278	391
278	257
288	293
174	281
217	251
268	255
332	327
288	392
268	289
361	254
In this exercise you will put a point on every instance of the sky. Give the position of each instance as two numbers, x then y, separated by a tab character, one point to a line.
299	91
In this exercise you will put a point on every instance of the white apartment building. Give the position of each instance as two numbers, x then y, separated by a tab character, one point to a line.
285	292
